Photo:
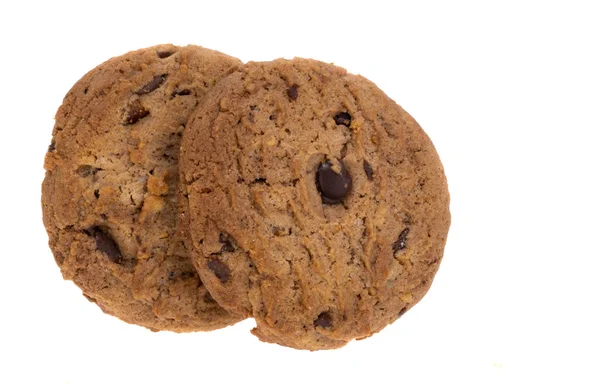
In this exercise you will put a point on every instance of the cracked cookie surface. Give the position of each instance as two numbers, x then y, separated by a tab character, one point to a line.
317	205
109	197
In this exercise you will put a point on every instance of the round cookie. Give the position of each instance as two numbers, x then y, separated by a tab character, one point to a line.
316	203
109	197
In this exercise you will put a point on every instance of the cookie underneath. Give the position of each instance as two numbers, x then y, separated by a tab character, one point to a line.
109	197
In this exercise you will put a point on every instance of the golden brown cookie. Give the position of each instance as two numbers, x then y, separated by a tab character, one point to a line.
316	203
110	194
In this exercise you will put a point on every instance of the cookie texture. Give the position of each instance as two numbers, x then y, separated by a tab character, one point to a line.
109	197
317	205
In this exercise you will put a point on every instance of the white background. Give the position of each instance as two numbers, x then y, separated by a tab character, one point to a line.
509	92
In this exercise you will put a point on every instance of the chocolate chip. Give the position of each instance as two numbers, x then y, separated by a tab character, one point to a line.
333	186
324	320
402	312
86	170
107	245
52	146
183	92
152	85
96	193
227	243
135	112
220	269
400	244
172	275
164	54
292	92
368	170
343	118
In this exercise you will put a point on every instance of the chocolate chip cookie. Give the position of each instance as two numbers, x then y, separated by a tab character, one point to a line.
109	197
316	203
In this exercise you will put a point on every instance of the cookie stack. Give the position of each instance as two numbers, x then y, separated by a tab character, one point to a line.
186	191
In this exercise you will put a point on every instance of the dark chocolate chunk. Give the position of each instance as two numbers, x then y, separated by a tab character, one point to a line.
368	169
107	245
343	118
333	186
97	193
52	146
324	320
172	275
183	92
152	85
164	54
227	243
401	242
220	269
292	92
135	112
